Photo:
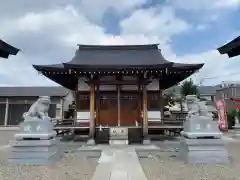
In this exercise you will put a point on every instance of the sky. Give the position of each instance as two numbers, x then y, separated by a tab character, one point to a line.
188	31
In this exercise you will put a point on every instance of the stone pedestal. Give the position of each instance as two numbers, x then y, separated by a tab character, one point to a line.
202	143
35	144
203	151
237	131
91	142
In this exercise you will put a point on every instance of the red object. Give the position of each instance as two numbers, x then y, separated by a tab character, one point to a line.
235	100
222	114
237	106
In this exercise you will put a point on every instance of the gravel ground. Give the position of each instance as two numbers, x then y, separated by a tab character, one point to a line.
75	165
6	136
169	167
72	166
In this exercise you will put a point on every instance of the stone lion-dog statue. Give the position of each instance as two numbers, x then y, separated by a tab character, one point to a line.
39	109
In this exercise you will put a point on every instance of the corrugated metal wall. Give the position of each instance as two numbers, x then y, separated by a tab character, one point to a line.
16	111
2	113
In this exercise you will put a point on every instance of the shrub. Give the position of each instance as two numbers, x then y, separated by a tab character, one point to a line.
230	120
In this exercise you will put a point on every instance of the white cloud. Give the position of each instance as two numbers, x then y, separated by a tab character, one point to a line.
158	22
66	26
205	4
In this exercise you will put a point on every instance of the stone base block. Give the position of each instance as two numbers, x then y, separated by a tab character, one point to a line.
35	152
35	149
35	143
23	136
203	151
35	161
91	142
118	141
146	141
32	155
237	133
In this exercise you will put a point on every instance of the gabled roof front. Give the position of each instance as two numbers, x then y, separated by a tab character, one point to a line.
115	56
232	48
6	49
130	60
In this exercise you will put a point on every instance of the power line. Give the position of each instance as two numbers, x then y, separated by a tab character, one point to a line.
213	77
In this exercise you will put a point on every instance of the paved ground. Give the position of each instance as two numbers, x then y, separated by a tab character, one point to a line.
76	165
119	164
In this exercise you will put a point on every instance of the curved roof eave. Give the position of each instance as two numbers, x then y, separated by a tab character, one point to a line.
11	50
48	67
172	81
229	46
187	66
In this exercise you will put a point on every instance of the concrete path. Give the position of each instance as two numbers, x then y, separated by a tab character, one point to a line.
119	164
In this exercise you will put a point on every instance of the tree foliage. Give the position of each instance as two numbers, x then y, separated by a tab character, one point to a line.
189	88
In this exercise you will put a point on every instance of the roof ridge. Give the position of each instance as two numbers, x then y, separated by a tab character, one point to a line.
118	47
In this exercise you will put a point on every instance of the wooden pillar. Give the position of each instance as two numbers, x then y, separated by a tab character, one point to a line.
161	103
62	108
118	104
140	104
145	118
6	112
92	114
97	104
75	108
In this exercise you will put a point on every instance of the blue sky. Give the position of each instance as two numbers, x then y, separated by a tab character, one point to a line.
47	32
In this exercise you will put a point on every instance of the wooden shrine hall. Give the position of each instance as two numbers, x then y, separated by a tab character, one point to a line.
113	85
7	49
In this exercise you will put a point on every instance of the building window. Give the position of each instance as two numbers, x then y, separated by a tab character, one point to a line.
83	102
153	101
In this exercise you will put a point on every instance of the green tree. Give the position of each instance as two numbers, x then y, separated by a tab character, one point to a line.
189	88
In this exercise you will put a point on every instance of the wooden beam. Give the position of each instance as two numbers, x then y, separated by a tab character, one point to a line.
117	82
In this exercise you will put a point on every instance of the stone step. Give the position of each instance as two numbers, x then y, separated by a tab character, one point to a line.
118	142
119	137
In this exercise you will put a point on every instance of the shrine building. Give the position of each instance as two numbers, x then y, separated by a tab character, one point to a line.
113	85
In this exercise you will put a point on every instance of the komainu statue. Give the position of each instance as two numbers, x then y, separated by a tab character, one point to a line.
39	110
193	106
36	143
196	107
201	141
